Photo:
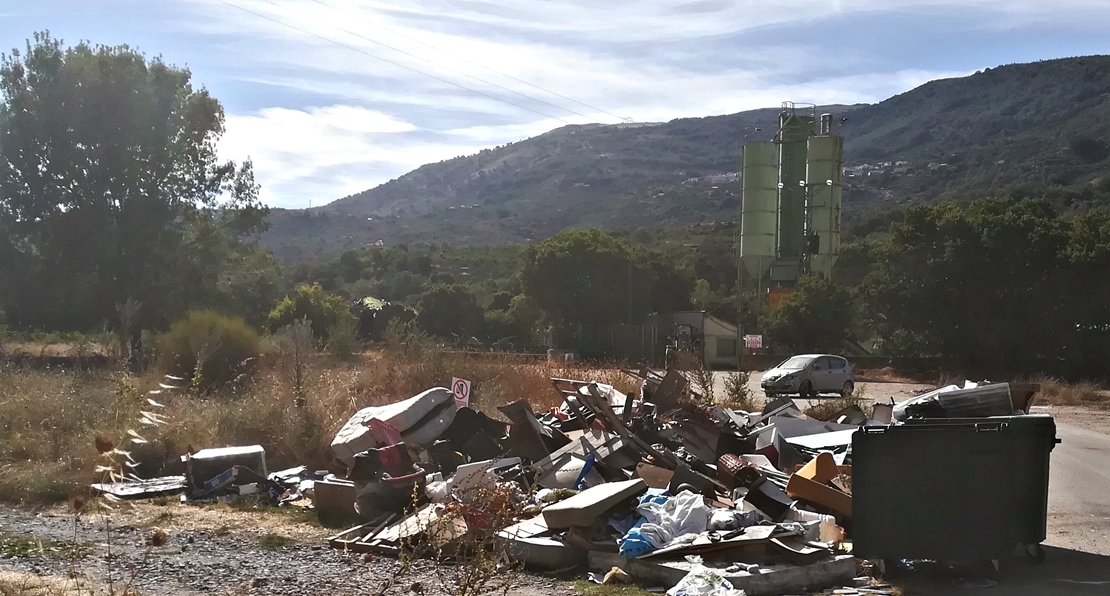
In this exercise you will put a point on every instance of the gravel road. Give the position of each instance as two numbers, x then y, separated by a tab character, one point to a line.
217	562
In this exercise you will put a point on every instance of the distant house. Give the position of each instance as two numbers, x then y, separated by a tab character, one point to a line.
710	337
715	338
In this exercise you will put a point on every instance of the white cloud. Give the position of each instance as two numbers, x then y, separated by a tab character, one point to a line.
351	120
320	154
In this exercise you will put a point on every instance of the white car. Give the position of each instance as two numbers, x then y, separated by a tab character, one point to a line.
808	375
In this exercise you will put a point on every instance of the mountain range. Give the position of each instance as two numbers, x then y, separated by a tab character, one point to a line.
1046	122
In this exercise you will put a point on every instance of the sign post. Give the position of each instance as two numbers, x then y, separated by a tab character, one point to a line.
461	389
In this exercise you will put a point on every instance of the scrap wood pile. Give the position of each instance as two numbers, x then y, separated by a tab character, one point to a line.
663	486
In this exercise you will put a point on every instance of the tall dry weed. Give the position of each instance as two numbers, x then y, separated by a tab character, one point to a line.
1060	393
49	420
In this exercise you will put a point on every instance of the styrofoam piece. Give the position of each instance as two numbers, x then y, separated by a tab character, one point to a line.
582	509
474	475
826	440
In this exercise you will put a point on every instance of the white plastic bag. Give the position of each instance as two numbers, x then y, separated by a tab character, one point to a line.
703	581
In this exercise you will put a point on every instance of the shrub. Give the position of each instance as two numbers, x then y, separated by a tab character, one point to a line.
323	310
225	347
737	393
342	340
450	311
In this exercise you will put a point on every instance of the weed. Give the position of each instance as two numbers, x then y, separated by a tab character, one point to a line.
274	541
342	342
296	345
27	584
586	588
49	419
297	515
738	396
1059	393
15	546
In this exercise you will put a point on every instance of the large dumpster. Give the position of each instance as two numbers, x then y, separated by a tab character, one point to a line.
955	489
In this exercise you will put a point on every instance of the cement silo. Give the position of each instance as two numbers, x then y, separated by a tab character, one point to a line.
758	206
823	179
794	227
794	132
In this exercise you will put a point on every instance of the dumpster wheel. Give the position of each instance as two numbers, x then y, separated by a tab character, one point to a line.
1035	552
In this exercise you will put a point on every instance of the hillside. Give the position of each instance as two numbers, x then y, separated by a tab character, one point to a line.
1045	122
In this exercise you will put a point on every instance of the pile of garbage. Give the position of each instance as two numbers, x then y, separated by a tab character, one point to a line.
662	486
224	475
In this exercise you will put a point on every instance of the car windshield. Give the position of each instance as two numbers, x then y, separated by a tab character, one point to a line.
796	363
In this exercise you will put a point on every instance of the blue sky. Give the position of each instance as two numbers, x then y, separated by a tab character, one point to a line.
324	116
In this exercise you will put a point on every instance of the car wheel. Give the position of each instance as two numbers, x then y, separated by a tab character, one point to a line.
847	390
769	393
806	391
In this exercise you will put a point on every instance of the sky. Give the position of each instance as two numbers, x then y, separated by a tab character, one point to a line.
332	97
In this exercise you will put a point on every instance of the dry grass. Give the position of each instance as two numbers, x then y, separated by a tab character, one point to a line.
886	374
63	349
1059	393
28	584
827	409
49	419
287	522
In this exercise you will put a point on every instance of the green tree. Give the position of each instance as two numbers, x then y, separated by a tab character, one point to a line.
1084	323
990	282
111	189
450	311
815	318
350	266
703	296
323	310
587	276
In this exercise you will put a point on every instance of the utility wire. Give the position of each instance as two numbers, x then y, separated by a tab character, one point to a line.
464	59
398	64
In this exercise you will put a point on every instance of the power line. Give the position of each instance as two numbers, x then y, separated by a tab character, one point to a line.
433	63
464	59
398	64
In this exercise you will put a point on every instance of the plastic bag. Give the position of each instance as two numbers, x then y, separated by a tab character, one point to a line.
703	581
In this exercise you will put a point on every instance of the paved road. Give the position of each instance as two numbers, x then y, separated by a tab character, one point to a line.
1079	491
1078	542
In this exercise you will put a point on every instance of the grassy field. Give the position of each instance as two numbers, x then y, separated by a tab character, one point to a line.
50	421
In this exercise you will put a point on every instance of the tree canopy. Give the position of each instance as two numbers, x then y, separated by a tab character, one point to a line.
814	318
588	276
111	189
997	282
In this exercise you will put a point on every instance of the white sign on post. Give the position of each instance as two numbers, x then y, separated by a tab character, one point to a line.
461	389
753	342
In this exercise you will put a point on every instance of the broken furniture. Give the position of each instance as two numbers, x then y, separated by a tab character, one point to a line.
812	484
202	466
419	420
334	499
385	480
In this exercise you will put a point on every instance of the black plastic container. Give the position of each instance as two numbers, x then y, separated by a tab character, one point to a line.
956	489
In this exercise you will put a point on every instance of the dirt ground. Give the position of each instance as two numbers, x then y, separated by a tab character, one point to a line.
210	550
